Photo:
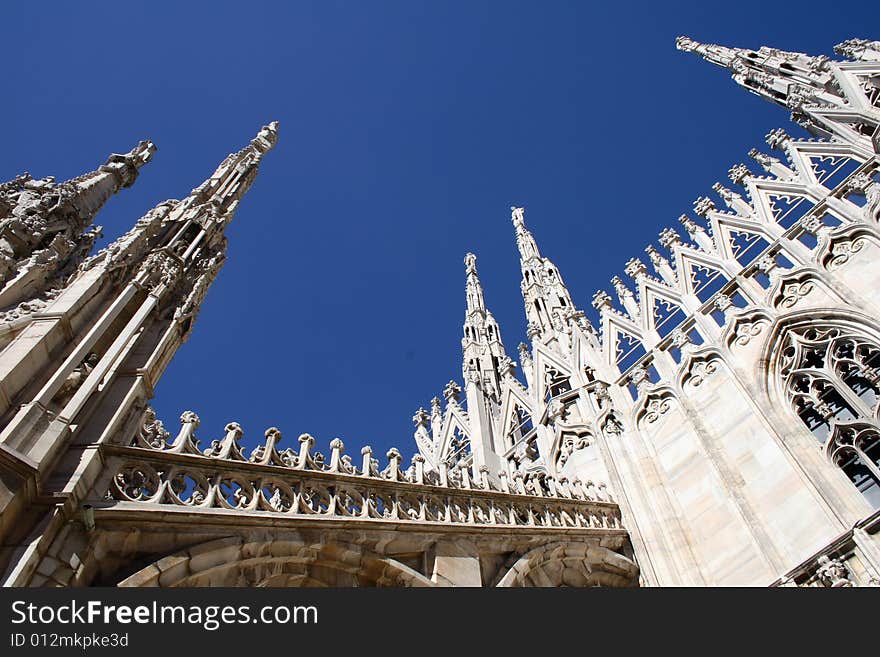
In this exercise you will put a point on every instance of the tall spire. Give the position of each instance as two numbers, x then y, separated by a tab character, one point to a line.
790	79
547	301
194	249
483	353
220	194
473	288
720	55
525	241
44	226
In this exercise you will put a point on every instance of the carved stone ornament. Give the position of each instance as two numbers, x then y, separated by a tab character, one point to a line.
655	407
833	573
793	292
841	251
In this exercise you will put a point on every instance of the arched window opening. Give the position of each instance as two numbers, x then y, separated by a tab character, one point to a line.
832	382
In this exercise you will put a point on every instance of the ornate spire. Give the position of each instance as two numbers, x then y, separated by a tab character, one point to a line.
482	348
221	193
790	79
547	301
528	248
44	226
720	55
180	246
473	289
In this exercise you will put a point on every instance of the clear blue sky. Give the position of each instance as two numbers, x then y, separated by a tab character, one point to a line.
407	131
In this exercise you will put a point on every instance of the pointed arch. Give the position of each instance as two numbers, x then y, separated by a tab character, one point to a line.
236	562
728	227
656	402
797	284
662	309
516	418
553	376
780	202
454	443
701	276
744	327
843	244
697	366
623	341
830	169
824	368
569	564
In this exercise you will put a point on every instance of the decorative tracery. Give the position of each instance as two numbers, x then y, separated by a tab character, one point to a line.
832	381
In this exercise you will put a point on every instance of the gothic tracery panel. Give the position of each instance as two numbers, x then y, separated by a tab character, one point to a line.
831	380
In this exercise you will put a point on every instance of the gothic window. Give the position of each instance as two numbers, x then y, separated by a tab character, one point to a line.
832	381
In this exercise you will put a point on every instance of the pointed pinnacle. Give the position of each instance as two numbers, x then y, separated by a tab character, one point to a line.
470	263
266	138
720	55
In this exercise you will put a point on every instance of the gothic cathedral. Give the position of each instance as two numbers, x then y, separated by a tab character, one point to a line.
720	426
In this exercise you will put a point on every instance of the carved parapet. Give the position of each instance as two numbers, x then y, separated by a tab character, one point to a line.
158	477
152	470
227	447
268	454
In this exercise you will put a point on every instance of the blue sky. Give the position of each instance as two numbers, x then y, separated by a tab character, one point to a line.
408	129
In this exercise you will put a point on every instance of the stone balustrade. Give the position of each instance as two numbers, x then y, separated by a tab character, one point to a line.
151	468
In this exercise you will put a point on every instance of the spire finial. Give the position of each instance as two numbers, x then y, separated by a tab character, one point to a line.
686	44
473	288
720	55
525	241
470	263
266	138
